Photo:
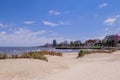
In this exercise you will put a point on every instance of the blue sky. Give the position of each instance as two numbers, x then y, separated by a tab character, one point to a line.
36	22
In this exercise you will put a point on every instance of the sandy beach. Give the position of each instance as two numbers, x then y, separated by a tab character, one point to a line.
90	67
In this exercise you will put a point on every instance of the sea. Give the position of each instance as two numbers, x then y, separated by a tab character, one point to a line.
20	50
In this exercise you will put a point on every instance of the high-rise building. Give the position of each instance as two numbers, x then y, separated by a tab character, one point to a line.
112	37
54	43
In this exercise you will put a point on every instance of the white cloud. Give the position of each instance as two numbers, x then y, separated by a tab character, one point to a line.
39	32
52	12
106	29
29	22
1	25
64	23
52	24
100	37
4	25
103	5
26	37
22	37
48	23
111	21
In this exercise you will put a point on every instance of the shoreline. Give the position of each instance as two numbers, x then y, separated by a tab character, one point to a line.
66	67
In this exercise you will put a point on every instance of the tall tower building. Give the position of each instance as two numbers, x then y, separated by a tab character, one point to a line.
54	43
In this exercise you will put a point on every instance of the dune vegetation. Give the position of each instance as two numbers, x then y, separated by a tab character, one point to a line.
32	55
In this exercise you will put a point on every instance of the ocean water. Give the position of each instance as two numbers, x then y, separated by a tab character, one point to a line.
12	50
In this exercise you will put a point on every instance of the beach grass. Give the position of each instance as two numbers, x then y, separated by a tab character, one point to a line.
81	53
31	55
34	55
3	55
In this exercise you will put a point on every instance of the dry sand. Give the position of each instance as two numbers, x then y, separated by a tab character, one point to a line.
91	67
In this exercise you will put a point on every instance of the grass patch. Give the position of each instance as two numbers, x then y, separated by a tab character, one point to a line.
34	55
3	55
81	53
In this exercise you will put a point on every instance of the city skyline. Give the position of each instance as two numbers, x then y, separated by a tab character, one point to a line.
36	22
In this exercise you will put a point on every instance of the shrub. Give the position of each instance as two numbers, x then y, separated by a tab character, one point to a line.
37	55
25	55
81	53
15	56
34	55
50	53
3	55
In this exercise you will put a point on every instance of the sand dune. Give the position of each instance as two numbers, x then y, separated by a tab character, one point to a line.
90	67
